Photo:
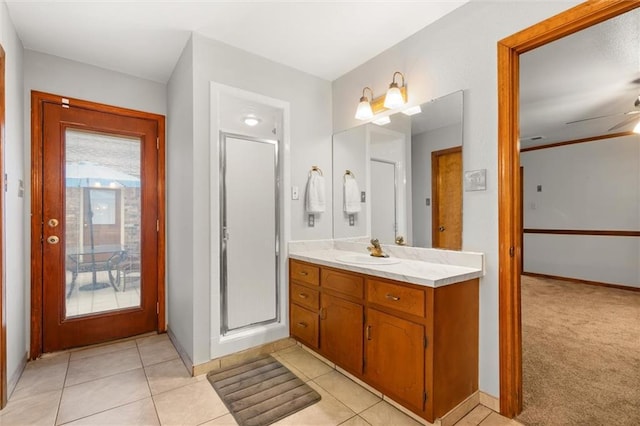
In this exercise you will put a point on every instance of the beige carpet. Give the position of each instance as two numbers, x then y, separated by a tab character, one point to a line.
581	354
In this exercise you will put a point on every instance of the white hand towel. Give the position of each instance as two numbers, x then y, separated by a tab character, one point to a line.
315	199
351	195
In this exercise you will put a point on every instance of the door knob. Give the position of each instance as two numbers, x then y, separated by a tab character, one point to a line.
53	239
53	223
441	229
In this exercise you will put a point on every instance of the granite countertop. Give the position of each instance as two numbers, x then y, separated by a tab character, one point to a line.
406	270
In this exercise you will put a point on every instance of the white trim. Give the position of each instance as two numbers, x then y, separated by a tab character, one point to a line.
248	338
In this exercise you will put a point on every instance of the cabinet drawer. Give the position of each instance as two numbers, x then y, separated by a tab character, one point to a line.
304	325
352	285
303	272
305	296
396	296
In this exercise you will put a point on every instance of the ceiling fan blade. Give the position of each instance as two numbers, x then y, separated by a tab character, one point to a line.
624	123
595	118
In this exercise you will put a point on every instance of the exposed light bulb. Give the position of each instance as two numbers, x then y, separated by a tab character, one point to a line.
382	121
412	110
636	129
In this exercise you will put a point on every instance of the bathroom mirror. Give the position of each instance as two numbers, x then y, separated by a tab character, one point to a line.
405	174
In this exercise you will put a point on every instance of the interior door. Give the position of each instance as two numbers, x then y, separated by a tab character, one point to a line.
250	243
446	181
383	201
99	223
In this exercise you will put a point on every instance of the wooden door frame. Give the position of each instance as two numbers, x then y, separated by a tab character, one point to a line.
435	196
38	99
3	290
572	20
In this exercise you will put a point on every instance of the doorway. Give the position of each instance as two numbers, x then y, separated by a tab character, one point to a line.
249	172
97	239
446	181
384	221
510	215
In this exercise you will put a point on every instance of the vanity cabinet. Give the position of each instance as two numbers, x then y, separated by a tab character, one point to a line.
416	344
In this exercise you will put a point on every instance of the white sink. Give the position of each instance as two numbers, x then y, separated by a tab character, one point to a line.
365	259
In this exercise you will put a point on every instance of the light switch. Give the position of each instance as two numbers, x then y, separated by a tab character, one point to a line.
294	193
363	197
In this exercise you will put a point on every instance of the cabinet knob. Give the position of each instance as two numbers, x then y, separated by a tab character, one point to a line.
392	297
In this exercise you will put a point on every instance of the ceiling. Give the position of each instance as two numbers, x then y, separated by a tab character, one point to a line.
145	38
591	73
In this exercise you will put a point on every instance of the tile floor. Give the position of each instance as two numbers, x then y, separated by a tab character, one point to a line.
144	382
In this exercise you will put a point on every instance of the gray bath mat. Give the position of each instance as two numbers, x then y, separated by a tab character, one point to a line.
261	391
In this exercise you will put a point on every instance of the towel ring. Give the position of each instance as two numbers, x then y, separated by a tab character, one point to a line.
350	173
315	169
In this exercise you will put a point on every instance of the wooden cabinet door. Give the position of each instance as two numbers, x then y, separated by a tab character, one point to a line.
341	332
395	357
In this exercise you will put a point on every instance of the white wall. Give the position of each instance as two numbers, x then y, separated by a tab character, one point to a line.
587	186
422	146
15	220
459	52
310	133
180	194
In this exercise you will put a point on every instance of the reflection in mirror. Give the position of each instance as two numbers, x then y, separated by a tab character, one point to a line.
391	165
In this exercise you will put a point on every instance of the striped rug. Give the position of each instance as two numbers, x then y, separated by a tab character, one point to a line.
261	391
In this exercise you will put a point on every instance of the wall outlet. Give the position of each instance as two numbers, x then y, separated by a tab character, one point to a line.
295	195
312	221
428	201
352	220
363	197
539	188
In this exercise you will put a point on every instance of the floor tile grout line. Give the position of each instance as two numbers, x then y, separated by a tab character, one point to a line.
100	354
55	420
144	370
103	411
141	367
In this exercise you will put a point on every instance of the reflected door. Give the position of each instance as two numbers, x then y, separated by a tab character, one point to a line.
249	210
383	201
100	239
446	183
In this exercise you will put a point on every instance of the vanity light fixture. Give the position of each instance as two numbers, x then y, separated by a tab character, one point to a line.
364	111
412	110
394	98
251	120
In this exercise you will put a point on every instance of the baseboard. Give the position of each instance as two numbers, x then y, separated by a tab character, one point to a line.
490	401
241	356
460	410
581	281
181	352
13	380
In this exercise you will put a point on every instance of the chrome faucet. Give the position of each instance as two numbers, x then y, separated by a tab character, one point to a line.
375	249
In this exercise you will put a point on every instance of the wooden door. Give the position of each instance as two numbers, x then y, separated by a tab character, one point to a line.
80	272
446	169
341	332
395	357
